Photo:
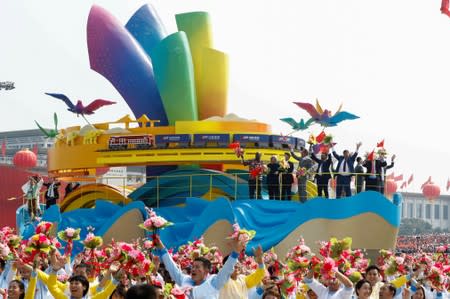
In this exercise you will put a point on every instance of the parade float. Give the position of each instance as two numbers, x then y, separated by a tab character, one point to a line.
176	86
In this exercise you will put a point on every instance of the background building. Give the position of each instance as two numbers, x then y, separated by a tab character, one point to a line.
435	212
17	140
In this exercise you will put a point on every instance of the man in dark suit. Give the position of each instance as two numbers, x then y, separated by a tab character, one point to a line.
344	171
52	193
255	178
359	170
323	174
304	166
374	168
287	179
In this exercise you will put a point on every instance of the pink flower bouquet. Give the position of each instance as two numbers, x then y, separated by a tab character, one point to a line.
241	235
44	227
69	234
154	222
92	241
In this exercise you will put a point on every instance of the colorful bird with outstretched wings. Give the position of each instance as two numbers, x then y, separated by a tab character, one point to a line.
298	126
324	117
51	133
79	107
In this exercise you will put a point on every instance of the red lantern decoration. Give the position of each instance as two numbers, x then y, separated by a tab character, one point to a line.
25	159
390	187
431	191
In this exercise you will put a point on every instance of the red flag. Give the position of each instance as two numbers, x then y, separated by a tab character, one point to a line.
35	149
381	143
371	156
428	181
445	7
320	137
448	184
324	148
4	148
403	185
410	179
398	178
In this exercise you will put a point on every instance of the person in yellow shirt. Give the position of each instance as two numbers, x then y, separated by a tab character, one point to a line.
238	285
78	284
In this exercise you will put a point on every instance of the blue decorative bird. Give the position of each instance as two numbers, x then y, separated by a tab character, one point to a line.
298	126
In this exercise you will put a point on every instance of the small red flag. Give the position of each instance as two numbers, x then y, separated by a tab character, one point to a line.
445	7
403	185
371	156
4	148
398	178
428	181
321	137
411	178
448	184
381	143
35	149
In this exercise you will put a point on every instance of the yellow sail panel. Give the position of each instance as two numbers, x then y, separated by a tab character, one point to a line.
213	86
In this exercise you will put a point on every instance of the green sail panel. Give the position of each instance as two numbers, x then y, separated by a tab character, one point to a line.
174	74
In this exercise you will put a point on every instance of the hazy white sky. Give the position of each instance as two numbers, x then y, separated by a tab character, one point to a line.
387	61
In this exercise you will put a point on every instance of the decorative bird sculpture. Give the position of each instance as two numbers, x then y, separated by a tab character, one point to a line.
298	126
79	108
52	133
324	117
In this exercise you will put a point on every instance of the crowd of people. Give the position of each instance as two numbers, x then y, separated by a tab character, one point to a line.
41	267
422	243
282	179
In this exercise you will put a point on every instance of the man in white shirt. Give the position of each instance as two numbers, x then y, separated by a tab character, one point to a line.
334	290
202	285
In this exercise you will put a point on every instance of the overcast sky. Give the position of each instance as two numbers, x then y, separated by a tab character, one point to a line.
386	61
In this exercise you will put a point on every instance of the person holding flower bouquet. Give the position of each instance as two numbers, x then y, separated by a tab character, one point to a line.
286	169
273	170
256	169
202	284
333	290
239	285
304	165
79	285
31	194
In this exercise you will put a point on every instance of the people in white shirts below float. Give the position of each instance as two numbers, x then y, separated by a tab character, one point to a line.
202	285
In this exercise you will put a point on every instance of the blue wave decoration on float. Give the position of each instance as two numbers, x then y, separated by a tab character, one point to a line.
101	218
268	216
